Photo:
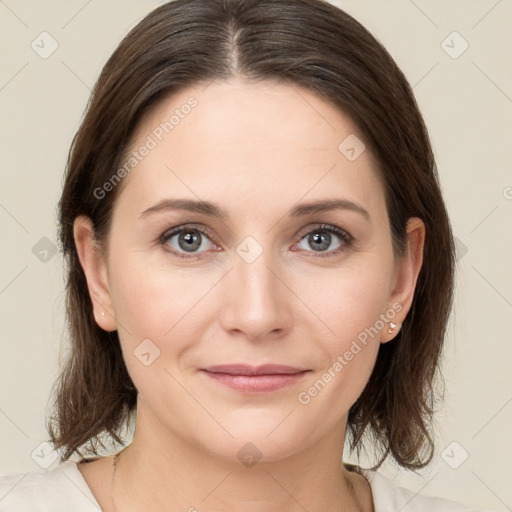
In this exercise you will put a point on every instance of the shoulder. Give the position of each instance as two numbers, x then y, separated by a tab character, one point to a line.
58	490
389	497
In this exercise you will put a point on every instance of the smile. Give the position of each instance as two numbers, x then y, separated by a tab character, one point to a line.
249	379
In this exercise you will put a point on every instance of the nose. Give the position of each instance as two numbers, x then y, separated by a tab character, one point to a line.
256	301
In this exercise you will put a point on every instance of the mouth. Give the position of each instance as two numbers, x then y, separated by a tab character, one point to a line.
255	379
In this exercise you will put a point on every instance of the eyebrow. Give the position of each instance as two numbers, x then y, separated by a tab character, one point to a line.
212	210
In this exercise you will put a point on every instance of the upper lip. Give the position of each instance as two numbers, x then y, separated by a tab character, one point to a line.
244	369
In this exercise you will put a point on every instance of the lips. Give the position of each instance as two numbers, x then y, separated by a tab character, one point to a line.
255	379
265	369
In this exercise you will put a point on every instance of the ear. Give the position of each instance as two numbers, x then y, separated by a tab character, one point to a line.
94	266
405	277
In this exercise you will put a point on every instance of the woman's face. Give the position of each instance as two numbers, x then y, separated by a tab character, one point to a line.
257	276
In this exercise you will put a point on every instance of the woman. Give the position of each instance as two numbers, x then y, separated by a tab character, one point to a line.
260	267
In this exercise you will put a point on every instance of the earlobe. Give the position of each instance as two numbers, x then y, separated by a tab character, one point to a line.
406	276
93	264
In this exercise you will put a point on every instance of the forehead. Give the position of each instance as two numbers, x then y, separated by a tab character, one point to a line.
247	140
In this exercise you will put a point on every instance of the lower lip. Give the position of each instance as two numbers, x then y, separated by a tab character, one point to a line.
256	383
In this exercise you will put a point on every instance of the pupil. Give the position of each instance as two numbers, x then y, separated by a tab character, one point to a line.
322	241
190	241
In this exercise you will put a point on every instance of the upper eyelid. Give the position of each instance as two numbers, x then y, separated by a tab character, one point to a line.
319	226
169	233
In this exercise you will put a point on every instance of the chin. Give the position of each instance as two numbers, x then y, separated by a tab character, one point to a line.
266	441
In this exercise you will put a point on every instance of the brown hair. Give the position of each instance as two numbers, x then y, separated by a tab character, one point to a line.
315	45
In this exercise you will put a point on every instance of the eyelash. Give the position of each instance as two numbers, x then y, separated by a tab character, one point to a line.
345	237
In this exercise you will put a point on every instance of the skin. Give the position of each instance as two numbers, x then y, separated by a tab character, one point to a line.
256	150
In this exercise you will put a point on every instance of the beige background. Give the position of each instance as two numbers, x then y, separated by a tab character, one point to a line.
467	104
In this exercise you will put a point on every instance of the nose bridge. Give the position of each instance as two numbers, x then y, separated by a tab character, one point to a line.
255	302
257	282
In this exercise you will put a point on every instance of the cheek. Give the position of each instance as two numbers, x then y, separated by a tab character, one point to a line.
351	308
347	300
161	323
151	296
156	302
348	360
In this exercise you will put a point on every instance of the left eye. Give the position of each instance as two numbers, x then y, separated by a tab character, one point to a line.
325	240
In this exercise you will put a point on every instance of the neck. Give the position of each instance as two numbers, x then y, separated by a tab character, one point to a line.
160	471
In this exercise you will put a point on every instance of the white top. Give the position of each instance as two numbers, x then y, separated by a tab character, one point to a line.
63	489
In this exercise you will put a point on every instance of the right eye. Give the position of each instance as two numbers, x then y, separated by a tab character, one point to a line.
187	241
